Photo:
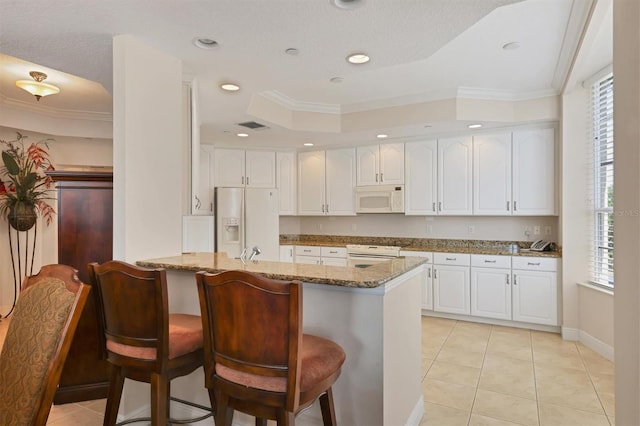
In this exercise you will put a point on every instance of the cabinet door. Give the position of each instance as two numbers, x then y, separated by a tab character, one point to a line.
455	176
310	260
427	288
286	182
491	293
392	164
260	169
421	176
203	190
334	261
340	181
535	297
286	253
451	289
368	161
534	183
492	174
229	167
311	183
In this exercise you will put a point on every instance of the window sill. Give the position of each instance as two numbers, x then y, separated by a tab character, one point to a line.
596	288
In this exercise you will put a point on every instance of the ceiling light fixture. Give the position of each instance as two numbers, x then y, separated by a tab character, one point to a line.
336	79
382	136
511	46
474	126
307	144
243	135
292	51
358	58
230	87
347	4
205	43
37	88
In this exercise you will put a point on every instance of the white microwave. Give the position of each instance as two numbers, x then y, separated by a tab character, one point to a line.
380	199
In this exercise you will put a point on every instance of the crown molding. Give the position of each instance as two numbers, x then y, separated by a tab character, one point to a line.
503	95
54	112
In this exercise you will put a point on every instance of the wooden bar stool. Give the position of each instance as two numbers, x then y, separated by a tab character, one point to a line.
141	340
257	360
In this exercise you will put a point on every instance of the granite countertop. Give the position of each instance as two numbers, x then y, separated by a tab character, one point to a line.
487	247
370	277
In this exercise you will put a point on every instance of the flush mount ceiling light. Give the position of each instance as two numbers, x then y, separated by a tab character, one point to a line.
292	51
358	58
346	4
336	79
307	144
243	135
474	126
511	46
382	136
230	87
205	43
37	88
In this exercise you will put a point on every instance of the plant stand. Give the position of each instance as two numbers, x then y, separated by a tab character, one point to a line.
20	245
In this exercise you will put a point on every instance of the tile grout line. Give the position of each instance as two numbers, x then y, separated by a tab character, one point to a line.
586	367
475	394
535	378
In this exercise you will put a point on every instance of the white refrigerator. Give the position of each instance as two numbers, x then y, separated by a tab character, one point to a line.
247	218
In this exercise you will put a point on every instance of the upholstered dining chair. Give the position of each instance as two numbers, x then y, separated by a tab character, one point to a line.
257	359
37	343
140	338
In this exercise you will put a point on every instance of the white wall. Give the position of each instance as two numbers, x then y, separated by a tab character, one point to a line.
399	225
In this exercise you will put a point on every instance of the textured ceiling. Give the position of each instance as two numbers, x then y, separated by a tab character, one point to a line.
420	49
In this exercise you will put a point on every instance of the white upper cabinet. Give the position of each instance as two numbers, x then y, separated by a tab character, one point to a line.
492	174
286	182
455	177
534	183
421	178
326	182
240	168
203	187
380	164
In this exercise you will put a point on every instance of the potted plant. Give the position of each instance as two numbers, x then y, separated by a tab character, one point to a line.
24	185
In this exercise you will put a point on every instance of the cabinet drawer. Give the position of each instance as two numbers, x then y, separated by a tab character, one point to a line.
307	251
488	261
426	254
334	252
458	259
535	263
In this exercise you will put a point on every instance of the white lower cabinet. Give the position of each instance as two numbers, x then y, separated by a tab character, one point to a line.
427	283
286	253
535	290
491	286
329	256
451	283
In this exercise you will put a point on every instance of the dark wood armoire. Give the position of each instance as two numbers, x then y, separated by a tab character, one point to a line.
85	234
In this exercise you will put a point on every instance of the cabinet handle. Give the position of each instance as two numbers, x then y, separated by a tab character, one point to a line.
515	281
450	258
515	206
333	252
428	273
327	207
376	177
381	180
507	279
306	250
434	206
439	205
489	261
291	252
247	180
242	179
533	263
435	273
507	206
323	208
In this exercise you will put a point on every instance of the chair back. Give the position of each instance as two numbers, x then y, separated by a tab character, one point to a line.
37	343
252	327
132	313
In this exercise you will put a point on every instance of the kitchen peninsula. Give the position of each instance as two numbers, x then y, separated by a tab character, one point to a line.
373	313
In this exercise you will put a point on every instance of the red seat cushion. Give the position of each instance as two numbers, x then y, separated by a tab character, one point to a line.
320	359
185	336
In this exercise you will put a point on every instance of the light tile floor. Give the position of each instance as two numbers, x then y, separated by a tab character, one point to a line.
480	375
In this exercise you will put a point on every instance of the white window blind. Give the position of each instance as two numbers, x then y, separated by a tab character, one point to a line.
601	182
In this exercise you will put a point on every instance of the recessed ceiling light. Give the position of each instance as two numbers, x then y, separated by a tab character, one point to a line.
358	58
292	51
230	87
382	136
308	144
336	79
243	135
346	4
474	126
511	46
205	43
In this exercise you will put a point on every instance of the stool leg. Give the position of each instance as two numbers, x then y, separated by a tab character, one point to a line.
285	418
261	422
328	410
224	413
159	385
116	384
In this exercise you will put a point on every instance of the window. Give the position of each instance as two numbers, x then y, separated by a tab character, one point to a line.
602	182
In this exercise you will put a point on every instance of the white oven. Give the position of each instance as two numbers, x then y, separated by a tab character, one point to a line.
363	256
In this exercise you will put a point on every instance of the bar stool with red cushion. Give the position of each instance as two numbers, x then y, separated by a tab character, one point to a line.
257	360
141	339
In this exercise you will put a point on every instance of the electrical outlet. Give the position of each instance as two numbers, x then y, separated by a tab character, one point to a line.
536	230
472	229
527	231
547	230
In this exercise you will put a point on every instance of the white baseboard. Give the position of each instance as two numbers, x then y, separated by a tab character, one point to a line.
416	414
589	341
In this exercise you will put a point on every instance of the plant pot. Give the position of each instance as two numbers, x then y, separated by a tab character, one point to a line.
22	216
